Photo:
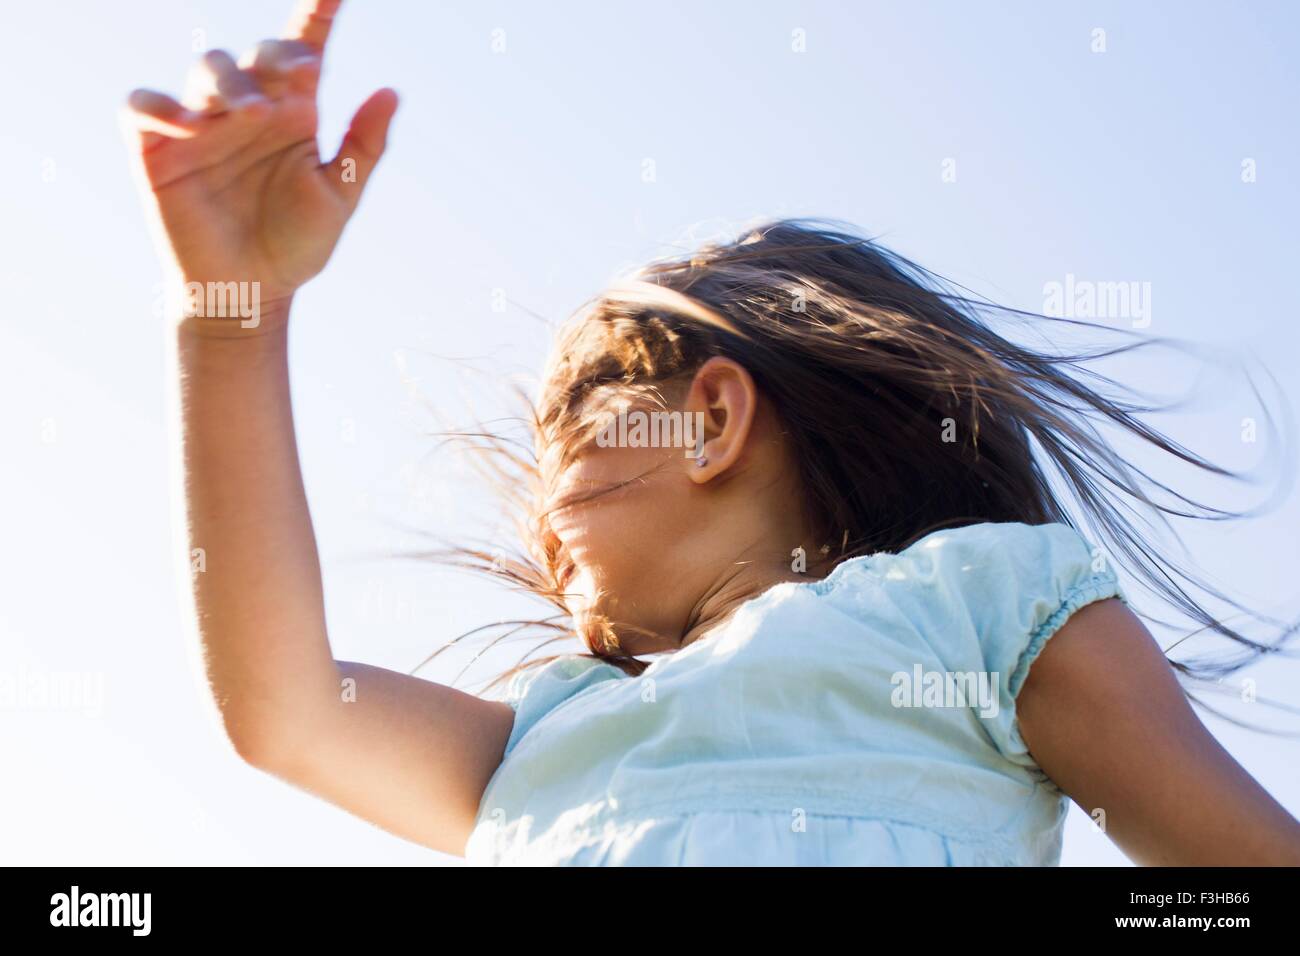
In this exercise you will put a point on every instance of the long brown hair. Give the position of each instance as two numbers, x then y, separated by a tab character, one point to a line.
905	410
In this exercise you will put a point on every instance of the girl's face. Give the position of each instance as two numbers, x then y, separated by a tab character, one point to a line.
658	541
630	540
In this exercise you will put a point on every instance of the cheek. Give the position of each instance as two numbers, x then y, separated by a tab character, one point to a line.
598	537
616	541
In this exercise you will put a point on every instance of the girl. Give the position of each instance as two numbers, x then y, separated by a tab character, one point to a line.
877	638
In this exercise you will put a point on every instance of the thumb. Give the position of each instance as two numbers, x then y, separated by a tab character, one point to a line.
363	145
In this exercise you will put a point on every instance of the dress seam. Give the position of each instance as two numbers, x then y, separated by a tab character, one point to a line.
870	810
1097	587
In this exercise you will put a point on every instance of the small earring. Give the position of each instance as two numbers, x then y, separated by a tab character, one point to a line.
701	461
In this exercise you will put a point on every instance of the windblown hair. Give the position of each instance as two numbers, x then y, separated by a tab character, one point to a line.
905	412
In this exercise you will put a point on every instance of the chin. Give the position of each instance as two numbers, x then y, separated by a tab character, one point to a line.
631	632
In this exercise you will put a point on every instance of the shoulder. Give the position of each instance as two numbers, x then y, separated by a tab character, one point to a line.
997	594
996	570
537	689
1008	547
565	670
996	574
1016	584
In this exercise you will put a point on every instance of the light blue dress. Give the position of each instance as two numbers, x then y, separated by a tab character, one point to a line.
864	719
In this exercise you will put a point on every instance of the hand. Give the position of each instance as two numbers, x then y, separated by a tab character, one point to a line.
238	186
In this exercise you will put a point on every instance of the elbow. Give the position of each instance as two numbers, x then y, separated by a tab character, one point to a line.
265	743
252	748
273	729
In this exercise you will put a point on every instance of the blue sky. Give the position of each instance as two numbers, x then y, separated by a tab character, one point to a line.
520	176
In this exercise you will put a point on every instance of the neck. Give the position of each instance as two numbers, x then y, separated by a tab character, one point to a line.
743	581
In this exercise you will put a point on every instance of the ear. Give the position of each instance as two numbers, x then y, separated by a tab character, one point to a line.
724	399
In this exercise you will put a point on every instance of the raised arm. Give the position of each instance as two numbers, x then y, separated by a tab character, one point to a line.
1104	716
246	213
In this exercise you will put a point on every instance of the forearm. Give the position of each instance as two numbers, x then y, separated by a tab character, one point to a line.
258	597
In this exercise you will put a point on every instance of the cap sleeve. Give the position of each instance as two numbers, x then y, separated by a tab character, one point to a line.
536	691
1003	591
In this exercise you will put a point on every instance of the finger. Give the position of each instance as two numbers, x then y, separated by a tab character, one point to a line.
154	112
282	66
304	75
216	83
363	145
312	21
232	84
